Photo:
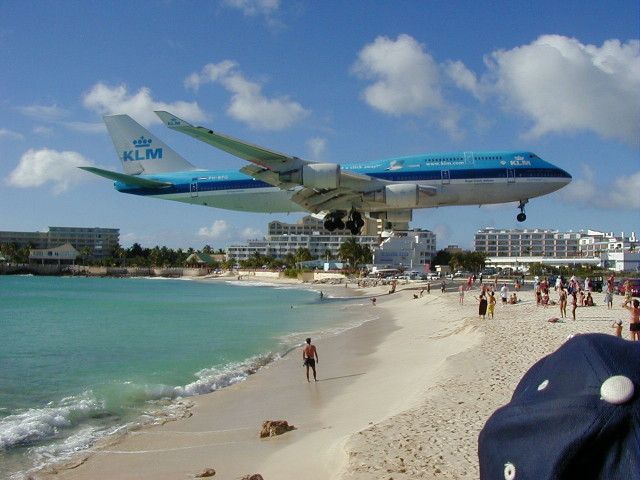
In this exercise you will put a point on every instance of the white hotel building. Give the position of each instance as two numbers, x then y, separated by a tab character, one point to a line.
410	249
517	248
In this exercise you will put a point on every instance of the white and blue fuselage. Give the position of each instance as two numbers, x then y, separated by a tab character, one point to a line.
460	178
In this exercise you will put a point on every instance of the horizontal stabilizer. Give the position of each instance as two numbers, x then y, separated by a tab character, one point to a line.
132	180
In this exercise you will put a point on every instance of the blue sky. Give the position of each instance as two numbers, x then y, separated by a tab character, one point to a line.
331	81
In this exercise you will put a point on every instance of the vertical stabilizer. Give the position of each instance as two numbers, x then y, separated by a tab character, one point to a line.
140	151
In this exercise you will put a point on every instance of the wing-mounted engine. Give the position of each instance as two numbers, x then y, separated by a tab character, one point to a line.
401	195
319	176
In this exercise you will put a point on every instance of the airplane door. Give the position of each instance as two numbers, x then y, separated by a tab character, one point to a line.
194	187
445	177
511	175
468	158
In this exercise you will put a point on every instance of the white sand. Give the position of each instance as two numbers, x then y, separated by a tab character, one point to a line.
400	397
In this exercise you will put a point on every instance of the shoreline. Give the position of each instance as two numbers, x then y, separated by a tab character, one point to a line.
404	395
356	367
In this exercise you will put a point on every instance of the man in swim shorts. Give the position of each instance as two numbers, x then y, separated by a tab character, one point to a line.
308	353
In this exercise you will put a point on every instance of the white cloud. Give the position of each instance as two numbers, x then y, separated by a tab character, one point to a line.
563	85
219	230
9	134
625	192
317	146
464	78
581	189
42	130
250	232
44	112
267	9
223	231
254	7
406	80
106	100
248	103
86	127
37	167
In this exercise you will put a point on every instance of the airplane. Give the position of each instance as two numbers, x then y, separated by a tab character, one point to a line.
388	190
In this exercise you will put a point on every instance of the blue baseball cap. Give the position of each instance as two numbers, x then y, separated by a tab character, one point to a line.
574	415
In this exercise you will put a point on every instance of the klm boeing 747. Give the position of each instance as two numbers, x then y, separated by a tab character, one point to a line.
276	182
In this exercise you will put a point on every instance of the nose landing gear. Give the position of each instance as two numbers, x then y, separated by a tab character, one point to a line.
521	217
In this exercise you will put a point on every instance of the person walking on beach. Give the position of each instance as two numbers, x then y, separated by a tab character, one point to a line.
608	298
492	304
429	288
562	300
310	358
461	294
634	319
574	304
443	286
482	306
504	293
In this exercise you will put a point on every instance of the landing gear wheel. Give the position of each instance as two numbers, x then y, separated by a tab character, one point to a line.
521	217
339	224
329	225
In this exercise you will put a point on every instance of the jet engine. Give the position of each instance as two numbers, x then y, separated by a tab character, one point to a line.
402	195
324	176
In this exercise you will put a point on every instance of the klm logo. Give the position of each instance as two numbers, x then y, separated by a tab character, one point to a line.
142	151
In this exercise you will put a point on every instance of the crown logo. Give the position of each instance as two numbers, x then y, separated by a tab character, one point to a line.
142	142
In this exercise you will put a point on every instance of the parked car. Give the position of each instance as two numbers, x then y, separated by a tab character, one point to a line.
634	285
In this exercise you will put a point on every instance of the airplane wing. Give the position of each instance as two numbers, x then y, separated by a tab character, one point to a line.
319	186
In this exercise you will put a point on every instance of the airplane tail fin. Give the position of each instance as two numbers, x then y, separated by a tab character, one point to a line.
140	151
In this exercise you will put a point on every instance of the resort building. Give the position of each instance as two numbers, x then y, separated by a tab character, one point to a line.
62	255
525	243
98	242
286	238
517	248
406	250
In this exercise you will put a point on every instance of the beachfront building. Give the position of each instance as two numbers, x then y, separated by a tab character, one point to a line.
406	250
62	255
496	242
517	248
593	242
97	242
287	238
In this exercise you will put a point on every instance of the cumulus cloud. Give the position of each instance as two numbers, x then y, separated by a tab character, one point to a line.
109	100
464	78
405	76
11	135
221	230
563	85
317	146
44	112
406	80
42	130
625	191
248	104
37	167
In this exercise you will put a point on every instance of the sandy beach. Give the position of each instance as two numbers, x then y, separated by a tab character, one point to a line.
402	396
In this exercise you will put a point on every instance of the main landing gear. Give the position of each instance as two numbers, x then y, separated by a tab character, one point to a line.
522	216
334	221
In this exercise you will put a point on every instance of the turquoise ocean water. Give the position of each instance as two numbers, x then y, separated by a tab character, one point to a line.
82	357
